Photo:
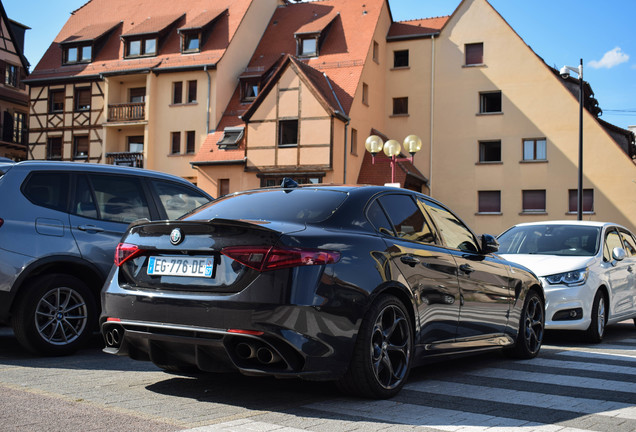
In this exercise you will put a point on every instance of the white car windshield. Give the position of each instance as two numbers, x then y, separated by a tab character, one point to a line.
563	240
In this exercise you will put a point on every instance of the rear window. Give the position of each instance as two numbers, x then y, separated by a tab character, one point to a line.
299	205
47	189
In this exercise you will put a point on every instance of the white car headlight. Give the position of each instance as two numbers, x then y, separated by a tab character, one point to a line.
571	278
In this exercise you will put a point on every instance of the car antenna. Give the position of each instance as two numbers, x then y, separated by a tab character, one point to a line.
288	183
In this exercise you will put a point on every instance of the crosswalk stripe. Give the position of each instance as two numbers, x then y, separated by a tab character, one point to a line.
532	377
579	364
492	394
431	417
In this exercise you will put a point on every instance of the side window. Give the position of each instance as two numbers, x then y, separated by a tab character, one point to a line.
378	218
47	189
84	203
612	240
177	199
453	231
407	218
119	198
628	243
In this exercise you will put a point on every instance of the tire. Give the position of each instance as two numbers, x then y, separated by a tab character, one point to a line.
383	351
596	330
531	327
55	315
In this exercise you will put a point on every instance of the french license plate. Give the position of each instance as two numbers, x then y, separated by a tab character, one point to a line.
180	266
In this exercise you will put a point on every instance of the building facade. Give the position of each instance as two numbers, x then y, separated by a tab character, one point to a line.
141	88
256	91
14	99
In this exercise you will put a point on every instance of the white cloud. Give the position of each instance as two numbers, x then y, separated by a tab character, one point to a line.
610	59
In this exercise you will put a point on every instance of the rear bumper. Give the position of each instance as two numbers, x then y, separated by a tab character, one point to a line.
225	332
216	350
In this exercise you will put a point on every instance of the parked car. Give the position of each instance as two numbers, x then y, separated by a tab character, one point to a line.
588	271
353	284
60	223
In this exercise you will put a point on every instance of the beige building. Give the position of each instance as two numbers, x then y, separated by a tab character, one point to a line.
14	100
295	89
141	88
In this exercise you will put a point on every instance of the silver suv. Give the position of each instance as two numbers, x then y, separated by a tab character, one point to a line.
60	223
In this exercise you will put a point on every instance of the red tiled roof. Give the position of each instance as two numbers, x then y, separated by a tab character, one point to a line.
318	24
203	19
134	14
380	172
341	58
152	24
209	151
416	28
344	48
92	32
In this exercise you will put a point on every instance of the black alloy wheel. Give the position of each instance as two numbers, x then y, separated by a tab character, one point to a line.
55	315
383	352
531	327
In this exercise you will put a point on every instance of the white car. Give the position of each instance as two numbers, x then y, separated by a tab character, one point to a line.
588	271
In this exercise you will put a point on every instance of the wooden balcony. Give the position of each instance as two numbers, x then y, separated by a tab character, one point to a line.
134	111
130	159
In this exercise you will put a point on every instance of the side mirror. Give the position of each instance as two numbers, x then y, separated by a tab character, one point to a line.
489	244
618	254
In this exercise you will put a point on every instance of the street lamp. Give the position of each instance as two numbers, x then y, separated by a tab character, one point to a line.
412	144
565	73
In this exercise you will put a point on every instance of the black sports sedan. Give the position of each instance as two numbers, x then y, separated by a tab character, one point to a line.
344	283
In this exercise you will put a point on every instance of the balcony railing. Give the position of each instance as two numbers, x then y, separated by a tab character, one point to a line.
130	159
126	111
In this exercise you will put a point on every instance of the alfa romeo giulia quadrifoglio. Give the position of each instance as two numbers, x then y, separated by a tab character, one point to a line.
354	284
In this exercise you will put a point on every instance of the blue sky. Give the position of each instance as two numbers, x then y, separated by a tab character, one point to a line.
558	31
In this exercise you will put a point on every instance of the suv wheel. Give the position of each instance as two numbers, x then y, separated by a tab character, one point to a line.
55	315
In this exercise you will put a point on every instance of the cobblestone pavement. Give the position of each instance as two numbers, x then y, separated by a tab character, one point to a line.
570	387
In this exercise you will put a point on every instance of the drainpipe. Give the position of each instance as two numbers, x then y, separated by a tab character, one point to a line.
430	156
207	113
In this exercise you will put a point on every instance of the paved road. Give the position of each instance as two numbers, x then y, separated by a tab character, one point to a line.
570	387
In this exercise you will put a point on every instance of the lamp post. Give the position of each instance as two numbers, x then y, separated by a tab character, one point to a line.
565	73
412	144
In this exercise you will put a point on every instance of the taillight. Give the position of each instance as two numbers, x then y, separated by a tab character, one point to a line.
124	252
264	258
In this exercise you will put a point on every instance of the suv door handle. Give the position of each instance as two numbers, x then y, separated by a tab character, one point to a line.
92	228
466	268
410	260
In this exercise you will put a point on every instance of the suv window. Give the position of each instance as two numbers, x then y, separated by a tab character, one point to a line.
452	230
118	198
177	199
407	218
47	189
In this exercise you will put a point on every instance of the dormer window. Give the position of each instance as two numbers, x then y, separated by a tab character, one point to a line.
141	47
78	54
85	44
250	88
194	33
310	36
308	47
145	38
191	42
